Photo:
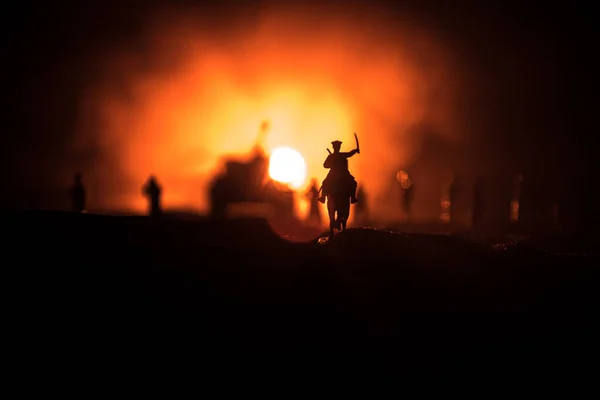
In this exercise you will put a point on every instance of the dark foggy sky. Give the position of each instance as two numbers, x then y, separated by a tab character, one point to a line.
532	90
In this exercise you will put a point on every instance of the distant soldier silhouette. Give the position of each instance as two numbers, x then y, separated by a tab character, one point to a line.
361	207
314	215
337	163
478	202
153	191
453	191
522	197
77	194
406	192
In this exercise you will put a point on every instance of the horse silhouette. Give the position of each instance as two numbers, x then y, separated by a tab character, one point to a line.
338	208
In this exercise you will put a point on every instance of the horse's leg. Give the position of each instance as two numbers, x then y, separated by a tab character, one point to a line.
345	214
341	220
331	229
333	215
331	212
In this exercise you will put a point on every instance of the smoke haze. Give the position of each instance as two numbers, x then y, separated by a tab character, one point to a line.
192	88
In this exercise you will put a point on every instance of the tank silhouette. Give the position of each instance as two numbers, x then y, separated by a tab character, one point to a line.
247	184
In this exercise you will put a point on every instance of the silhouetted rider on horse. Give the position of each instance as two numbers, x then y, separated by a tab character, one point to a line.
337	163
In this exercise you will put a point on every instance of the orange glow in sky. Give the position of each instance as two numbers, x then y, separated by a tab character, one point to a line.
187	98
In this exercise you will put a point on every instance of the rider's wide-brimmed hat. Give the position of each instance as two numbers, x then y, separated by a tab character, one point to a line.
336	142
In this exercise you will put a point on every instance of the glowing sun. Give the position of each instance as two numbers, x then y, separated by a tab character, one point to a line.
286	165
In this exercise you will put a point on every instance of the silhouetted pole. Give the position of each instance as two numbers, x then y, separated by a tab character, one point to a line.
78	194
153	191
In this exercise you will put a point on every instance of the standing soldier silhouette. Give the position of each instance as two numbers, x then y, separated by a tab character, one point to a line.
314	216
77	194
361	210
453	192
406	193
478	202
153	191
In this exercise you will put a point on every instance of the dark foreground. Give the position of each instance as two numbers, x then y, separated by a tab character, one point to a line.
100	283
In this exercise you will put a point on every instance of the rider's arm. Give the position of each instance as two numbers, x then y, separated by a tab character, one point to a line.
350	153
328	162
